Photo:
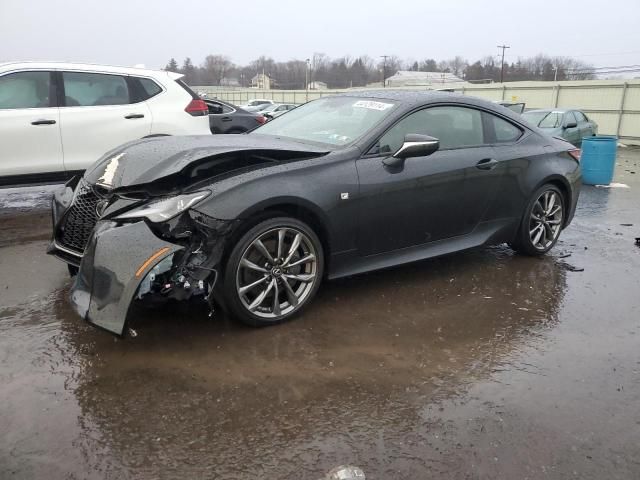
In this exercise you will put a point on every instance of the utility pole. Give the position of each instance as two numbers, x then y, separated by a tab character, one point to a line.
503	47
384	70
307	78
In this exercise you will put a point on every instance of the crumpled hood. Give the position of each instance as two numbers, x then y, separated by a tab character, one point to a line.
147	160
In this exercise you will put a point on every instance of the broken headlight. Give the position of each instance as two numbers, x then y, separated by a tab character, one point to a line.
166	208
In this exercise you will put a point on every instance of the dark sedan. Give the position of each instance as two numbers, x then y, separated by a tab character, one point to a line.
227	118
339	186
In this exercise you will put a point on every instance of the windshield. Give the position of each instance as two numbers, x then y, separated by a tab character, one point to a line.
331	120
544	119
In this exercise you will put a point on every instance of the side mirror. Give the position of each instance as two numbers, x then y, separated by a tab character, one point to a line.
571	125
414	145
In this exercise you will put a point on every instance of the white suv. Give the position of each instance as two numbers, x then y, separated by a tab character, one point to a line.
56	119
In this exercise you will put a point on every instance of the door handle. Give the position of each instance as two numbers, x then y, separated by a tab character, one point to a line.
487	164
226	119
134	115
42	121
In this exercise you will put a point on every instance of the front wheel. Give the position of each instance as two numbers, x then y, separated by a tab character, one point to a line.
273	272
542	222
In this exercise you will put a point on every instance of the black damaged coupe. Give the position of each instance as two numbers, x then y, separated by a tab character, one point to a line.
342	185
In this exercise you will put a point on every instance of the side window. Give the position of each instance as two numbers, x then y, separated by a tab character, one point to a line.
580	116
505	132
149	87
25	90
569	117
226	109
89	89
455	127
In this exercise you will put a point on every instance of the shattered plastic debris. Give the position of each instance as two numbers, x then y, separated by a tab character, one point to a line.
570	267
133	333
614	185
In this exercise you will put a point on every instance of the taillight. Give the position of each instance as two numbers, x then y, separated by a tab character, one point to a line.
575	153
261	119
197	108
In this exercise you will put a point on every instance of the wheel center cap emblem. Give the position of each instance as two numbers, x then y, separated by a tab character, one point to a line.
276	271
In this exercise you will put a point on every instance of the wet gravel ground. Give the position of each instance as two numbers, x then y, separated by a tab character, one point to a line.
482	364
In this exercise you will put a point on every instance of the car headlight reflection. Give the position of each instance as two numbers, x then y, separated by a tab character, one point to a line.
166	208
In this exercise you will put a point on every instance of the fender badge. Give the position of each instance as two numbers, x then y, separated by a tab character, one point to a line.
344	196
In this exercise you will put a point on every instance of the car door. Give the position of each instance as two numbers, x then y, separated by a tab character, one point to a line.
222	118
29	124
585	127
96	115
571	133
429	198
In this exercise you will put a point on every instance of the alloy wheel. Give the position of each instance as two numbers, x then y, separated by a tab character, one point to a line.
277	272
546	220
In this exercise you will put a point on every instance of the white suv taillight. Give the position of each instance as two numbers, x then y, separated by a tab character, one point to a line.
197	108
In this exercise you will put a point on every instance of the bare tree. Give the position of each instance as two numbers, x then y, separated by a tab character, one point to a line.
215	67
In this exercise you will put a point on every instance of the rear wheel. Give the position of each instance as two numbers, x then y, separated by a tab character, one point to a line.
273	272
541	223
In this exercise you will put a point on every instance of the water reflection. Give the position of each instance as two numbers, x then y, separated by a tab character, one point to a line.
346	383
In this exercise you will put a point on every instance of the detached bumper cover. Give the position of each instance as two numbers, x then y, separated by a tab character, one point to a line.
114	264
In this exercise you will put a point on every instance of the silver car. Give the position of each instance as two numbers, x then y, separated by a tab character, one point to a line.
572	125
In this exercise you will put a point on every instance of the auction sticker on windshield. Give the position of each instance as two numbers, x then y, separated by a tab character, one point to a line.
371	105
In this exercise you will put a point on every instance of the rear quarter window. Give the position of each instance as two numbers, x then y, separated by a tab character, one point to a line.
504	131
149	88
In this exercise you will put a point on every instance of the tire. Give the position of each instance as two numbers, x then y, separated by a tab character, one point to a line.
236	131
293	277
539	228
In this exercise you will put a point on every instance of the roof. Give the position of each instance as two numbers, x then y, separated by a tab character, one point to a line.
91	67
407	96
416	98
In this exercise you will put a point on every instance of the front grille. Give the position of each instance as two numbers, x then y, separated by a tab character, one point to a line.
79	219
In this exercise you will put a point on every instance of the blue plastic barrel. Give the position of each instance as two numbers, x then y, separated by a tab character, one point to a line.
598	159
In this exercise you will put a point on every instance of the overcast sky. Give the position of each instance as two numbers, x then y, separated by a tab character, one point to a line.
151	32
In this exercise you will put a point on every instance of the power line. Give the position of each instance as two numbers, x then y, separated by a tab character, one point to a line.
602	68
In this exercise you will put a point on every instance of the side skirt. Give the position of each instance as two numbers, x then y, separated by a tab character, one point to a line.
486	233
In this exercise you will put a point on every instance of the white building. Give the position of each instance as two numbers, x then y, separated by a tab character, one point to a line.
261	81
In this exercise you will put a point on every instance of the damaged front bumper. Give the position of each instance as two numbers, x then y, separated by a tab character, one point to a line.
128	261
115	263
120	260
